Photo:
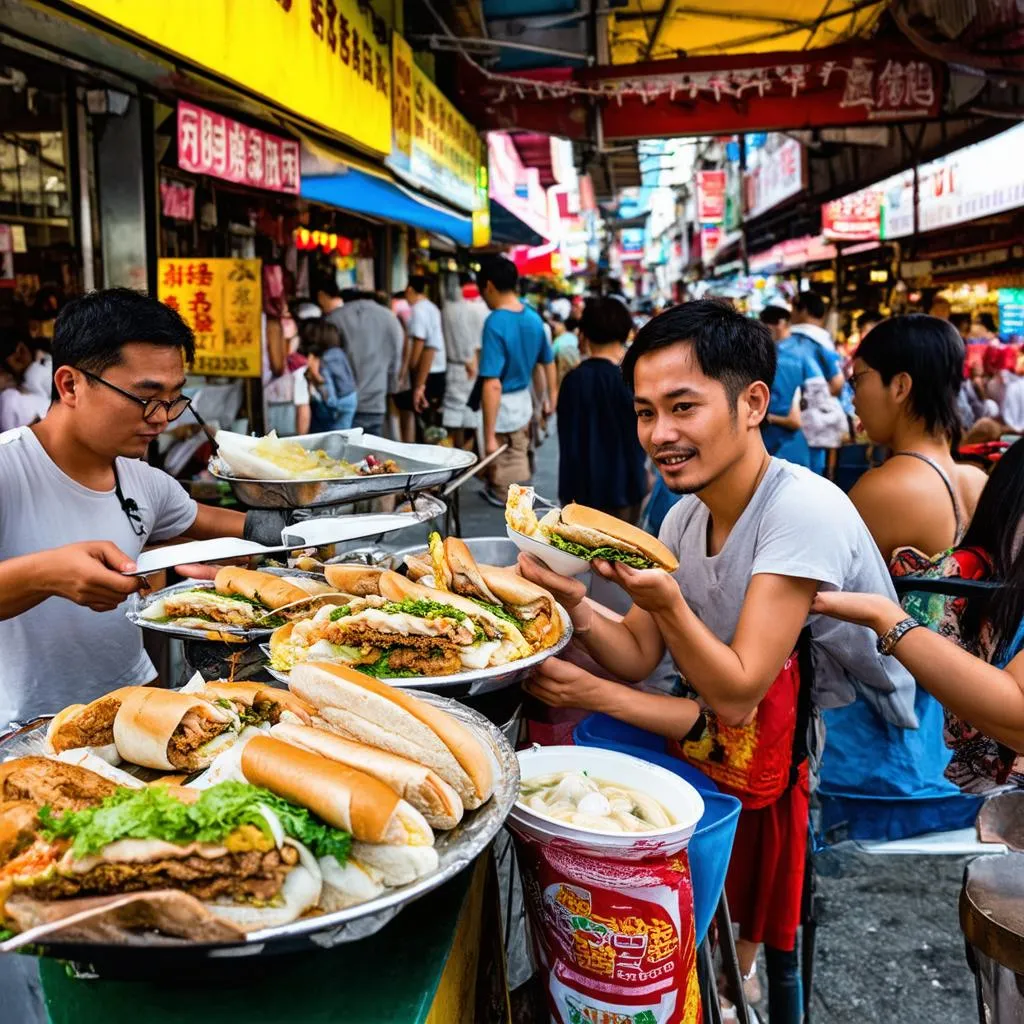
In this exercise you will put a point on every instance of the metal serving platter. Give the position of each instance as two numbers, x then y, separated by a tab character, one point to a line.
422	466
457	849
475	681
138	603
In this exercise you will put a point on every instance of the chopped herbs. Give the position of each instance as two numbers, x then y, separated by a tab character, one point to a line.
340	613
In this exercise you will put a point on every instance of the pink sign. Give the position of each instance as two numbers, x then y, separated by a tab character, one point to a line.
177	200
221	147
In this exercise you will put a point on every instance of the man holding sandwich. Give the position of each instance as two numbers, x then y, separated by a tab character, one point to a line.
755	538
75	481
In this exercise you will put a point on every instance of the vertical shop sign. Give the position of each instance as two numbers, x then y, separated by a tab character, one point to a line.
710	197
210	143
221	300
437	148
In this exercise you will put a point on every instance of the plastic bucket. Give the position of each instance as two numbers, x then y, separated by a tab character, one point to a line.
710	846
611	913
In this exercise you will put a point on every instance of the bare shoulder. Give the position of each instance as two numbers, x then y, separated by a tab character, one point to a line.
971	481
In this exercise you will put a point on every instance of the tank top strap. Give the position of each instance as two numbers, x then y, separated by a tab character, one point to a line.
961	526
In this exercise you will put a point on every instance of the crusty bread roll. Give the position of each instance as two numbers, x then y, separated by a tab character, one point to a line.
527	601
362	708
594	529
343	797
149	717
357	580
271	591
421	786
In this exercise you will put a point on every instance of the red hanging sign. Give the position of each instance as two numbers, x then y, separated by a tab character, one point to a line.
711	197
210	143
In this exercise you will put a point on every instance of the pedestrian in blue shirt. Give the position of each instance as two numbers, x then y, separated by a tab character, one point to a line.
514	346
333	397
782	427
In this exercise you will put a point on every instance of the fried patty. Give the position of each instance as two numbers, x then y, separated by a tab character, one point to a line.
424	663
195	731
91	727
355	634
65	787
252	876
17	828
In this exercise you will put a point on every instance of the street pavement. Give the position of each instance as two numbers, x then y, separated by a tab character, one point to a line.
889	946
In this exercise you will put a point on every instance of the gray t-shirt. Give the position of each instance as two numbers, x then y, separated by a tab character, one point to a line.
797	524
58	652
373	339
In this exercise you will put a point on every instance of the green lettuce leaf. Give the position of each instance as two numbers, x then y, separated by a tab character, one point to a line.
610	554
496	609
153	813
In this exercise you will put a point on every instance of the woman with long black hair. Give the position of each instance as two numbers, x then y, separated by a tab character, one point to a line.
979	677
906	380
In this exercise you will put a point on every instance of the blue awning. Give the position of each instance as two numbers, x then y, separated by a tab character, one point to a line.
361	192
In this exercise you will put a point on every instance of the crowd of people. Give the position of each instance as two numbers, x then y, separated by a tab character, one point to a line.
783	610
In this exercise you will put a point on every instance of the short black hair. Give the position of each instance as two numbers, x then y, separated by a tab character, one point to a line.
501	272
868	317
329	286
317	336
729	346
932	353
606	321
812	304
773	315
988	322
418	283
90	331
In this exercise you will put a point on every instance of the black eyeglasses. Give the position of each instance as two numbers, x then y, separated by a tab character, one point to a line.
855	377
150	406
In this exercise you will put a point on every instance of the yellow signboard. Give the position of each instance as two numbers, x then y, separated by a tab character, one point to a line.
437	147
221	300
325	60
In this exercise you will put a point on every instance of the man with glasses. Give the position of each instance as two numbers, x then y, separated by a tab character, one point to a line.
77	504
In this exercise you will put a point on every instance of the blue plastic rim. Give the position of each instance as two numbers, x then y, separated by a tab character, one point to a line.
710	845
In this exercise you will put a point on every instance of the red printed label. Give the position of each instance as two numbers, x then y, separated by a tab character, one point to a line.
616	938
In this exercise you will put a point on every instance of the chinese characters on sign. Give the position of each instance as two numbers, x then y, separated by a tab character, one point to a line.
209	143
853	218
776	175
710	197
433	144
221	300
177	199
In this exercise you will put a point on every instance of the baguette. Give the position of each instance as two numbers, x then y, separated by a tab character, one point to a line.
357	580
362	708
345	798
271	591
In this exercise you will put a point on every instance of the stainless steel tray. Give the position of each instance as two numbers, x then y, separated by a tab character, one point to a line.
422	465
138	603
474	682
457	849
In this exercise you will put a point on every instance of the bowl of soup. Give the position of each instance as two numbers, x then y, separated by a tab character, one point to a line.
604	802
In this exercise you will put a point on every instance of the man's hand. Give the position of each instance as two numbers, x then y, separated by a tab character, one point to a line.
548	406
654	590
564	685
471	369
871	610
91	574
491	445
566	590
419	398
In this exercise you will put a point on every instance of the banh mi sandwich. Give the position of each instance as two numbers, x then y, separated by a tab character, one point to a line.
502	591
366	710
372	811
588	533
44	781
357	580
406	630
163	729
248	854
242	598
89	726
368	808
419	785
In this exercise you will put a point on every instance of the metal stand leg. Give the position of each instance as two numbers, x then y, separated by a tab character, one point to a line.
708	989
730	961
810	929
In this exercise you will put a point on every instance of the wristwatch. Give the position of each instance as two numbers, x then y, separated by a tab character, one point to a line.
888	640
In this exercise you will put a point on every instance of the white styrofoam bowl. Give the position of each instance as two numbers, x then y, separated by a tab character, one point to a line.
554	558
675	794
